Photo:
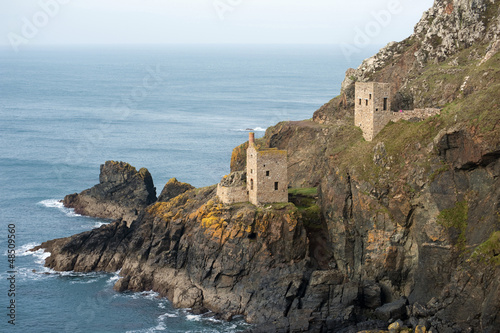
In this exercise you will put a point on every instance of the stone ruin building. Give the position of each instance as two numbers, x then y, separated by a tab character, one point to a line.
265	179
373	109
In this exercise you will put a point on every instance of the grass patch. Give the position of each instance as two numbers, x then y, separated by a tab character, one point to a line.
308	192
489	251
280	205
456	218
311	216
305	199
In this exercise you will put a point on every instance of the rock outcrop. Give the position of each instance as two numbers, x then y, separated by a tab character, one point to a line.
121	193
204	255
173	188
453	31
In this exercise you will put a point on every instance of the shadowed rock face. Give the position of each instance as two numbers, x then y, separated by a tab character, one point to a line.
203	255
121	193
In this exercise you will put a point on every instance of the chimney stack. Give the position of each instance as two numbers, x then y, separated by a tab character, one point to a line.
251	138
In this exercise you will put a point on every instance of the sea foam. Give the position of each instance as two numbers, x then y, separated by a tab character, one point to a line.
55	203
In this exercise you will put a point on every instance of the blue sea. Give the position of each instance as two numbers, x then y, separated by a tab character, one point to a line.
176	110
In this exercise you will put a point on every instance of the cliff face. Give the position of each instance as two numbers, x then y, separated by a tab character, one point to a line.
404	227
236	259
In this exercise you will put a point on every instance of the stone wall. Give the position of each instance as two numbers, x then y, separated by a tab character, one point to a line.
381	107
417	114
230	195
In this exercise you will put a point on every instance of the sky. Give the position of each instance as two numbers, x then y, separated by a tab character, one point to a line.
40	22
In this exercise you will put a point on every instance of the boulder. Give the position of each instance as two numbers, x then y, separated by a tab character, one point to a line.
395	310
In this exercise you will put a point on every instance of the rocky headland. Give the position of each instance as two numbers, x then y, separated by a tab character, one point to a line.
121	193
406	227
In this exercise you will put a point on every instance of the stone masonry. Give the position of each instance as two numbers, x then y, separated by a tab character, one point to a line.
372	107
414	115
233	188
266	178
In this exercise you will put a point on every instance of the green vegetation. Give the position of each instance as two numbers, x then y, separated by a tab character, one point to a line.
310	191
436	41
456	218
280	205
311	216
490	13
477	107
489	251
305	199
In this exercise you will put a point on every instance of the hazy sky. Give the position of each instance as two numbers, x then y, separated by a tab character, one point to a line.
208	21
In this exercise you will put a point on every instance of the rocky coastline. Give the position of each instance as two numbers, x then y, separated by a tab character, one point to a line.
401	231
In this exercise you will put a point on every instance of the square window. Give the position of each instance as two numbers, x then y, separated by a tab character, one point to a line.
267	173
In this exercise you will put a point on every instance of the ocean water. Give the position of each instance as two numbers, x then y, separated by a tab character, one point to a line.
177	111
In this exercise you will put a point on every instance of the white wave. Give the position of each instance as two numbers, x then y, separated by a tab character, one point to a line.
24	250
99	224
193	317
39	255
160	327
84	281
256	129
112	280
55	203
168	315
149	294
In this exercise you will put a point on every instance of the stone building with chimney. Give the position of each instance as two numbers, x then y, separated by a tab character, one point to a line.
266	179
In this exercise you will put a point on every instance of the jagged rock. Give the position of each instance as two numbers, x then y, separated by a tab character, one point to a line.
395	310
172	189
237	178
199	254
121	193
447	28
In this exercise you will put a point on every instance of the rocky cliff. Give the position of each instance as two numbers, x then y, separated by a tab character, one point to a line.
405	227
121	193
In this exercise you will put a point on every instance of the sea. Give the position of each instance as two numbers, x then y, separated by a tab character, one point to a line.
178	110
